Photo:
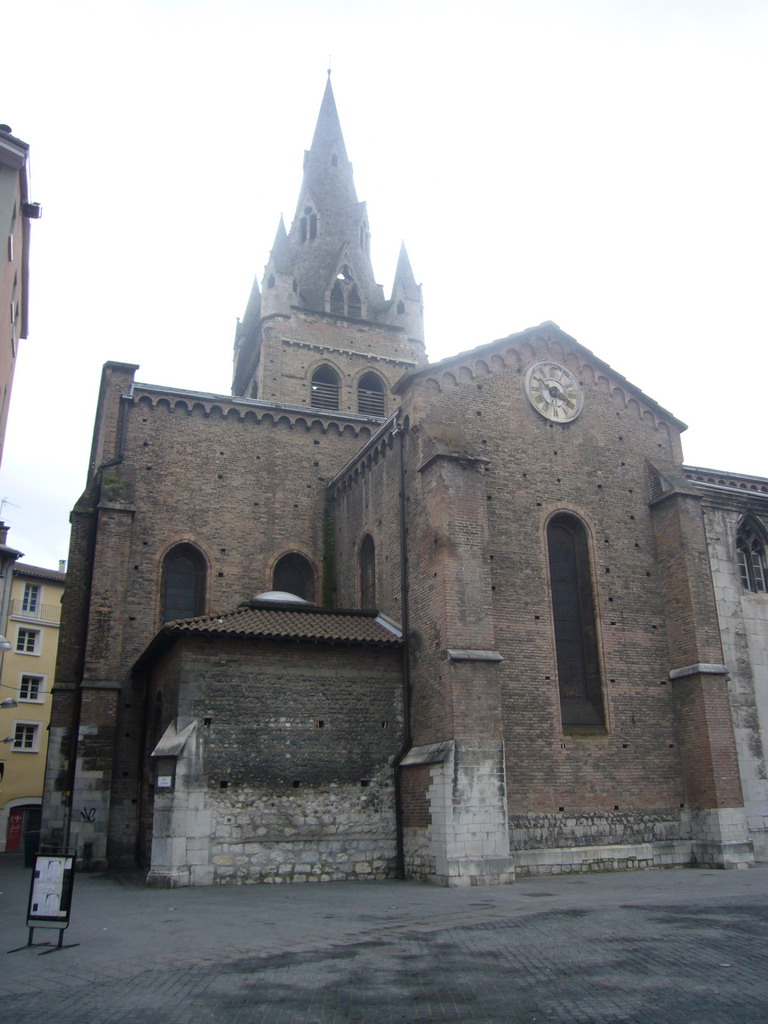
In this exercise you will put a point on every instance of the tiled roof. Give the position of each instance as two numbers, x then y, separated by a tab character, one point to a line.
309	624
22	569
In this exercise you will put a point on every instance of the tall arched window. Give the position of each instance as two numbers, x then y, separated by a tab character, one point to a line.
183	587
337	299
367	572
294	575
325	388
370	395
750	553
573	613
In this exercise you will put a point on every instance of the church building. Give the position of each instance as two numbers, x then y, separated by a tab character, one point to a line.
372	617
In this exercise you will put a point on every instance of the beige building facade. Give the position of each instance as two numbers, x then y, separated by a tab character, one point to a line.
32	630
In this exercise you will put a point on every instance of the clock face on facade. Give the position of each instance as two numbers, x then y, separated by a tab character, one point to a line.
554	392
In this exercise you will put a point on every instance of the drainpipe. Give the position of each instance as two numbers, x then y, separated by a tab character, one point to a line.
399	432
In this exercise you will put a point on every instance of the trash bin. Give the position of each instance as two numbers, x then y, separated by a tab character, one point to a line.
31	844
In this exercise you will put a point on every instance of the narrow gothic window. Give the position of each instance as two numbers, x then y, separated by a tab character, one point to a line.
325	388
337	299
354	306
573	612
334	161
183	587
367	572
750	553
303	227
401	308
271	281
294	575
370	395
313	225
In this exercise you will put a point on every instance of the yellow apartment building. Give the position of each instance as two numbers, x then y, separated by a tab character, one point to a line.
26	678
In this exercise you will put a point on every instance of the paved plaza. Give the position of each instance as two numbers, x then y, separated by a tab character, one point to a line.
654	947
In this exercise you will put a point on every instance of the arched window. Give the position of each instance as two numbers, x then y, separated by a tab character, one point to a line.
308	224
750	553
294	575
344	297
337	299
573	614
370	395
354	306
325	388
367	572
183	587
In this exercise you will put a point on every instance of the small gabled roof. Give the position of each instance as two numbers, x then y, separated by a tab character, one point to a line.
291	620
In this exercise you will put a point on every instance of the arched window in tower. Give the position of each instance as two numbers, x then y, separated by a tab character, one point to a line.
271	281
400	308
573	614
337	299
325	388
750	554
344	297
294	575
370	395
367	572
308	224
334	160
354	306
183	583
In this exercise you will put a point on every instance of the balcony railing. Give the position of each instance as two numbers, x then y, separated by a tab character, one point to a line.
42	613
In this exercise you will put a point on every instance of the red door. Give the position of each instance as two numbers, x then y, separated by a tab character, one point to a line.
15	828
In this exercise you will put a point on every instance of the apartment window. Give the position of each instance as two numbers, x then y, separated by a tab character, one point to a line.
31	688
31	599
750	554
294	575
26	736
28	641
573	613
184	579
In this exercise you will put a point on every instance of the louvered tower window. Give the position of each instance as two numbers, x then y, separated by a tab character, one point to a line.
370	395
325	388
345	299
750	554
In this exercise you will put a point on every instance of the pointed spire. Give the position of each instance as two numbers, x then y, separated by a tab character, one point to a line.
328	135
280	257
404	277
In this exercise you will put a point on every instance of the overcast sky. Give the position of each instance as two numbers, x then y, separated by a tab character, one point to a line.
600	164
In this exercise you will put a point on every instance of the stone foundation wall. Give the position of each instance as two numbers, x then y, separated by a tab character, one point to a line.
564	830
306	835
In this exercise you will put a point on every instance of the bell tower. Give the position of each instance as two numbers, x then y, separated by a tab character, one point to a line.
319	332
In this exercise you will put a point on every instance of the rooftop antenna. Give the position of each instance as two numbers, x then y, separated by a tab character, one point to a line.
5	502
329	65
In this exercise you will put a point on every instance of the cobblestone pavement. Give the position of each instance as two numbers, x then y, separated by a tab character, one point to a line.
659	947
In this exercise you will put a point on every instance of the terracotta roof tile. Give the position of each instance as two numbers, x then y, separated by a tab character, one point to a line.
310	624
